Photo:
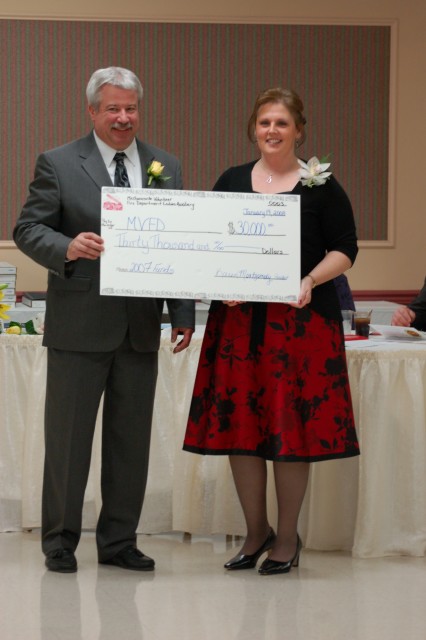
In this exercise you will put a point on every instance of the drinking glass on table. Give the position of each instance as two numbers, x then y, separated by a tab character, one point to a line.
362	321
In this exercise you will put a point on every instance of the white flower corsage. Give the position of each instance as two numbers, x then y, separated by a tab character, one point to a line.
314	173
155	172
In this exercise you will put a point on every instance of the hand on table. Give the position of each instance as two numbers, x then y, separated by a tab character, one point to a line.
403	317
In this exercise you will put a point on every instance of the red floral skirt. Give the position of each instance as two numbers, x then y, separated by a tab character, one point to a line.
280	392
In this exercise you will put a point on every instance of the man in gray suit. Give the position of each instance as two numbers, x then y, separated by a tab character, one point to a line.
414	314
96	344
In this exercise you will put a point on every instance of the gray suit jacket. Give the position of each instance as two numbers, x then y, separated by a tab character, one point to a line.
65	200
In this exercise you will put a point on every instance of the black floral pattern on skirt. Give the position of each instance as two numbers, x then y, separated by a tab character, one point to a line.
282	396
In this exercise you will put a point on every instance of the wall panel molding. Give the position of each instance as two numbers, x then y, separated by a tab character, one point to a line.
400	296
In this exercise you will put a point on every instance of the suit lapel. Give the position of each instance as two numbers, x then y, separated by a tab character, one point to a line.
92	162
146	157
95	167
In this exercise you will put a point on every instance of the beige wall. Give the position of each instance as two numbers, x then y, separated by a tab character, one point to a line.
400	266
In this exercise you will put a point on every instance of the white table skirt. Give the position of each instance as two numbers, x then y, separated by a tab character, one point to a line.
373	505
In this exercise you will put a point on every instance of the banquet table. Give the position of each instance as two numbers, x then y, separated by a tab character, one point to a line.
374	505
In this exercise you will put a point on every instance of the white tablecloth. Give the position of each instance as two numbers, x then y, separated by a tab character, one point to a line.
22	313
373	505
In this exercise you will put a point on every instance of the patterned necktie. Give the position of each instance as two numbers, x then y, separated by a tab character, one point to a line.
121	179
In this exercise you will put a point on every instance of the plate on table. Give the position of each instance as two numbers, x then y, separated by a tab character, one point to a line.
399	333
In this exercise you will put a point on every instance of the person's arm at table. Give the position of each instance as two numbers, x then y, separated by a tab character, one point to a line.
418	307
403	317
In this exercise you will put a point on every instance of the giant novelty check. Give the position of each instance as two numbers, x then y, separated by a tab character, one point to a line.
200	244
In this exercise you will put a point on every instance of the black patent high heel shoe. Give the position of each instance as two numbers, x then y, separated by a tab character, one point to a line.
272	567
248	561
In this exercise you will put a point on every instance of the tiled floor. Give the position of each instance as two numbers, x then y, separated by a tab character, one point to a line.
331	596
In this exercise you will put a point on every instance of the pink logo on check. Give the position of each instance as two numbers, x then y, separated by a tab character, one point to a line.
113	204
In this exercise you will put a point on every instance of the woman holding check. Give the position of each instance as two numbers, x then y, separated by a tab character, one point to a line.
272	379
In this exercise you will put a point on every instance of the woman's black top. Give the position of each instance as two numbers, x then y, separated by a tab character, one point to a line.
327	224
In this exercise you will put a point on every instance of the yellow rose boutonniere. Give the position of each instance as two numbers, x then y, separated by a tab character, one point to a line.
3	307
14	330
155	172
314	173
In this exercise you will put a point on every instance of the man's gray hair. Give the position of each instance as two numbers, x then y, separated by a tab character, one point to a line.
117	76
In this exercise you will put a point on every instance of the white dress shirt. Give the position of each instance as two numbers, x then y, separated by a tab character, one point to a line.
131	161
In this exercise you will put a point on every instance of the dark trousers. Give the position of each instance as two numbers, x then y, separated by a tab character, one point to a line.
75	384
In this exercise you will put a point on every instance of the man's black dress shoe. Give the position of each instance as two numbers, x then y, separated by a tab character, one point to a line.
248	561
131	558
272	567
61	560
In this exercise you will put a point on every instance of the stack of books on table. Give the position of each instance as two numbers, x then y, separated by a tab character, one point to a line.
8	277
35	299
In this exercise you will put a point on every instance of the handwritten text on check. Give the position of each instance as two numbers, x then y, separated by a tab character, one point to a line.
200	244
